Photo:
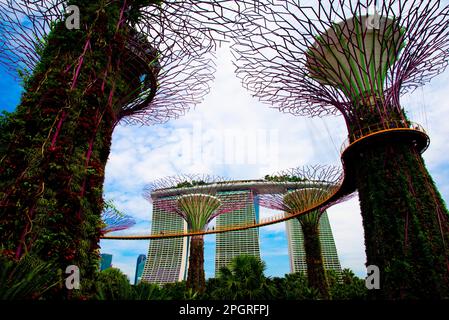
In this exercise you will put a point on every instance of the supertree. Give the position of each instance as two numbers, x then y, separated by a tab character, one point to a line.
357	58
193	198
307	187
115	220
130	61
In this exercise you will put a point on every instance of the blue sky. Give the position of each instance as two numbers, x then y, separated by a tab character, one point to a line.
9	92
233	135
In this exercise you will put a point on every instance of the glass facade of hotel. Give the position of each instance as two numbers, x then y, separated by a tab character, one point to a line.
296	246
167	260
234	243
140	264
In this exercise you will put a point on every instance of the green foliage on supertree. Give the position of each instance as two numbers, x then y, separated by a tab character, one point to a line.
405	221
284	178
27	278
134	14
196	278
190	184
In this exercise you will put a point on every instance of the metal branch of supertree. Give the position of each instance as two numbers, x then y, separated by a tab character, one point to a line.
116	221
316	58
171	47
308	187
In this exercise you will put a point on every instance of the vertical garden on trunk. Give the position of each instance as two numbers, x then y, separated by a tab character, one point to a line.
405	220
54	147
316	274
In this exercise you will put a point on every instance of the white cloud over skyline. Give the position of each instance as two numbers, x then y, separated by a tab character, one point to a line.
204	141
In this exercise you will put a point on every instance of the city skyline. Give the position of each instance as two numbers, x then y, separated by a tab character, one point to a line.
294	238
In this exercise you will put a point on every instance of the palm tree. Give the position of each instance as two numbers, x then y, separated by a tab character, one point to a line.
349	288
149	291
179	291
28	278
244	278
113	284
296	287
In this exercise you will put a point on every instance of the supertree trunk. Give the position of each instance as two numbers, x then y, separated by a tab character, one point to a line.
54	148
405	222
196	279
315	267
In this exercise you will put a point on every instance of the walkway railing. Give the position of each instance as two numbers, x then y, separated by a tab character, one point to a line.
379	128
337	193
242	226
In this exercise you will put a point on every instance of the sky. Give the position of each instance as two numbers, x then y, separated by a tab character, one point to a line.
233	135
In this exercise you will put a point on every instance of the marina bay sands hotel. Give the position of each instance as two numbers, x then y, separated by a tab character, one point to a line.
168	258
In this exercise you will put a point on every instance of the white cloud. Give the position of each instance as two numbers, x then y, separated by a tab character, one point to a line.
265	213
275	228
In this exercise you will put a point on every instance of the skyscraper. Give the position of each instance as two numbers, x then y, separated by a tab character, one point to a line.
234	243
140	264
105	261
167	260
296	246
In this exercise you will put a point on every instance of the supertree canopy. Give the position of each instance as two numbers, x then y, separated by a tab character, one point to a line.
357	58
114	220
198	209
321	58
142	61
311	185
193	198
